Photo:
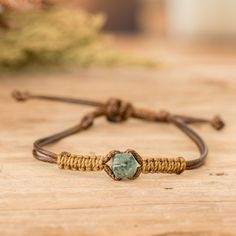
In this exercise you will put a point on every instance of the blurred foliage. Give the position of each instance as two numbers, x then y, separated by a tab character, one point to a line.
49	38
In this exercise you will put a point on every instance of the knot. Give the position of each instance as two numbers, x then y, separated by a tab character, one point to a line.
217	123
80	162
118	110
20	96
163	116
87	121
164	165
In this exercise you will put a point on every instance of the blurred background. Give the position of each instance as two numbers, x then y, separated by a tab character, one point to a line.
171	18
161	25
186	18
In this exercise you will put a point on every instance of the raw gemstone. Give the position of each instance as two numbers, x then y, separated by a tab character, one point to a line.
124	165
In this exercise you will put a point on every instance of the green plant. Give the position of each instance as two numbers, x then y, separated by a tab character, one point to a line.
57	37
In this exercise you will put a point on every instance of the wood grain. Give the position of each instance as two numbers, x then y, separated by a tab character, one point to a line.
39	199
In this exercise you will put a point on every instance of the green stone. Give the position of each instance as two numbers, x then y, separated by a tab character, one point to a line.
124	165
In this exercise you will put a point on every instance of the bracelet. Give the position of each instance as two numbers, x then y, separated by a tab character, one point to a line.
120	165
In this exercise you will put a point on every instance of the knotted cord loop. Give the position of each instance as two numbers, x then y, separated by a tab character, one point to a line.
20	96
80	162
117	110
217	123
164	165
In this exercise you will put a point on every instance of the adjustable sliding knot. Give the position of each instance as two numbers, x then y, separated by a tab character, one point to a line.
20	96
80	162
164	165
117	110
217	123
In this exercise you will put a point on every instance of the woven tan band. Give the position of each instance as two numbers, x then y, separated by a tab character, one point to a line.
96	163
80	162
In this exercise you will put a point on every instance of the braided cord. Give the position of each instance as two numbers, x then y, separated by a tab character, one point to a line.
96	163
164	165
80	162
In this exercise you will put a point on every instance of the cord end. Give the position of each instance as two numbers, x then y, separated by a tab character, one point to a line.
217	123
20	96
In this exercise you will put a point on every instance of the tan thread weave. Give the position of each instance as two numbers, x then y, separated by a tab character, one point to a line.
96	163
164	165
80	162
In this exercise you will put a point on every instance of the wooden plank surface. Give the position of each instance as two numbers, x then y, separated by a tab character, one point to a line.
37	198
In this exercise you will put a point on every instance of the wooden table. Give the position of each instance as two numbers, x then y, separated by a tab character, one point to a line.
37	198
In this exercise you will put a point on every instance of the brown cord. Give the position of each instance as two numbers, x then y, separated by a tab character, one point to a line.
117	110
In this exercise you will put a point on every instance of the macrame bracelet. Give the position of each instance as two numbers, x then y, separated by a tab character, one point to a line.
120	165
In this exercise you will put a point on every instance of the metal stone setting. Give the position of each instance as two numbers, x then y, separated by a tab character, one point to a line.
124	165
